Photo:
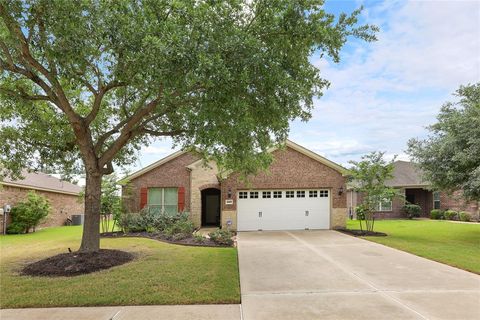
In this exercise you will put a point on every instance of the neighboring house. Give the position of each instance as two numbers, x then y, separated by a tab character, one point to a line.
407	178
301	190
62	195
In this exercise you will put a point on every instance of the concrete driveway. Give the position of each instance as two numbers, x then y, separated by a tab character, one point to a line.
329	275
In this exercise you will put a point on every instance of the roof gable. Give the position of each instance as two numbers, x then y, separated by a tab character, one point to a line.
288	143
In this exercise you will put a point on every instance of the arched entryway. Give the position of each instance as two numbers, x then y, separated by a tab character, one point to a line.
211	207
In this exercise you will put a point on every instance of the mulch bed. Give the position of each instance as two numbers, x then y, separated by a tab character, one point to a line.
190	241
363	233
77	263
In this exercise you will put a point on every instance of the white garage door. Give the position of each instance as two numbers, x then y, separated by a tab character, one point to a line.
283	209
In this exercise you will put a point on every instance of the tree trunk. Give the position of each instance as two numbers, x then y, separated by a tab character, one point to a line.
91	225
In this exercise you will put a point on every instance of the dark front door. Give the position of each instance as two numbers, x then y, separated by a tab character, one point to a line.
211	207
410	198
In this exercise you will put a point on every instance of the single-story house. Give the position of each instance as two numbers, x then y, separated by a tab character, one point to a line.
301	190
62	195
407	178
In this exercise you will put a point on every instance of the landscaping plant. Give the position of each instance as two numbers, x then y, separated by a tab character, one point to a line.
450	215
368	177
29	213
86	84
464	216
412	210
222	237
437	214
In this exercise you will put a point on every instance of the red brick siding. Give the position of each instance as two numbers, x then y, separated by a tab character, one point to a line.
397	204
456	202
290	170
62	205
172	174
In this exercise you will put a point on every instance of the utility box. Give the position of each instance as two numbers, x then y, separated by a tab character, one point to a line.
77	219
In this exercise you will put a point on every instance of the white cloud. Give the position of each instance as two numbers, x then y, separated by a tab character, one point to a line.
154	150
386	92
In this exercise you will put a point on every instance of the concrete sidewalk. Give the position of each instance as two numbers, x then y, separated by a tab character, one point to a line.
197	312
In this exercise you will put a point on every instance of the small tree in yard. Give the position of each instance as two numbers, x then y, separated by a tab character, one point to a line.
29	213
368	177
111	204
85	84
450	156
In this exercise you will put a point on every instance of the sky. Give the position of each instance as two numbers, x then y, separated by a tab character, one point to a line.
386	92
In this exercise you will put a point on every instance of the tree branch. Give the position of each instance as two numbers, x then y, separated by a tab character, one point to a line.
98	100
24	95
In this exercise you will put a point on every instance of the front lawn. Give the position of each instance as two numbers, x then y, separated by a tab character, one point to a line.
161	274
455	244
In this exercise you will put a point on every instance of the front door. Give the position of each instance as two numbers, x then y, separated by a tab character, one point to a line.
211	207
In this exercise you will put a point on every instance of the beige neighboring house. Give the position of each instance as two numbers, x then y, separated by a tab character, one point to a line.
407	178
62	195
301	190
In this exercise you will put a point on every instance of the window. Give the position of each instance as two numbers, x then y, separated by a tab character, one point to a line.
385	205
323	193
163	200
266	194
277	194
312	193
289	194
436	200
300	194
253	194
243	195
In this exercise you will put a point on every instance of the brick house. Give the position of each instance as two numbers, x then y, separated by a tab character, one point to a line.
62	195
301	190
407	178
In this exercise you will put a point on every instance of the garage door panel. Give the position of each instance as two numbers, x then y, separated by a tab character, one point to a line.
283	213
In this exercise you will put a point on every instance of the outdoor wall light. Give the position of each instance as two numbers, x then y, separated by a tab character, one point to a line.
340	191
229	193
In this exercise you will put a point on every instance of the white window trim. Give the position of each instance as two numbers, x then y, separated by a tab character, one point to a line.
439	201
380	207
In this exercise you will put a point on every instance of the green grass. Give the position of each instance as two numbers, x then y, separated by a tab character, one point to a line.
162	273
455	244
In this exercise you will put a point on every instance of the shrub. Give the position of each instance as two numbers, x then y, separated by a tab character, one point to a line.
436	214
198	238
222	237
451	215
412	210
163	221
464	216
15	228
181	229
29	213
132	222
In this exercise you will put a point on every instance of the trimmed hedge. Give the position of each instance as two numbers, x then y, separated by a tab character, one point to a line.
451	215
437	214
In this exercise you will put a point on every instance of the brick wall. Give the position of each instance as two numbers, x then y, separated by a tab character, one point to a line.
62	205
291	169
456	202
172	174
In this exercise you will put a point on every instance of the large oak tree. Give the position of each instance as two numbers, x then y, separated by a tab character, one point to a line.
450	156
84	83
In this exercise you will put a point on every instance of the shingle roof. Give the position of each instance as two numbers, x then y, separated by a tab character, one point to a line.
42	181
406	174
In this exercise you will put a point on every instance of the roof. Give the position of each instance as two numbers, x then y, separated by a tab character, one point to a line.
288	143
406	174
42	182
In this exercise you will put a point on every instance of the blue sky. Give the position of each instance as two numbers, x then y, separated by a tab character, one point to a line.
386	92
